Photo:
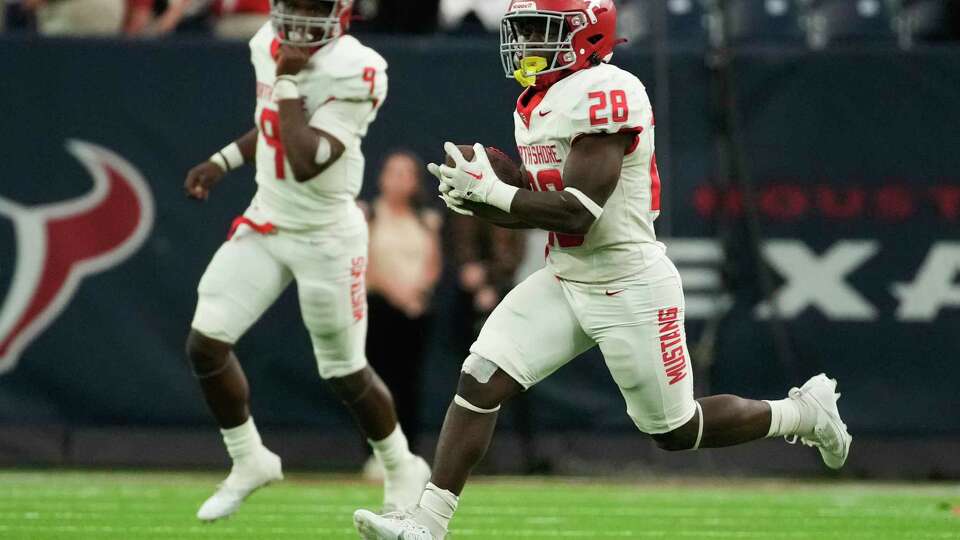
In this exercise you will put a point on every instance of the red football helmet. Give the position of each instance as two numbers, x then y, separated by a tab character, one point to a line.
310	23
541	40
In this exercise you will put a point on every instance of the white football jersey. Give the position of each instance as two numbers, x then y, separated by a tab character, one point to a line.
343	86
601	99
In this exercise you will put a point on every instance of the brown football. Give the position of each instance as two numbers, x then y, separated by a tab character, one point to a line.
507	171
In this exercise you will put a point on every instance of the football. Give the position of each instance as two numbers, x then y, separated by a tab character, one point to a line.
507	170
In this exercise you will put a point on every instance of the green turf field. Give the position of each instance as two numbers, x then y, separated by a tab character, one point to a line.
97	505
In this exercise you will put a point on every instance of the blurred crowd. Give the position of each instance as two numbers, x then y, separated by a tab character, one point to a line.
816	23
230	19
135	18
813	23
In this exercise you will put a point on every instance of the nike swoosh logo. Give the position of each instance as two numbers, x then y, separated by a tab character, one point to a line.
477	176
614	293
542	114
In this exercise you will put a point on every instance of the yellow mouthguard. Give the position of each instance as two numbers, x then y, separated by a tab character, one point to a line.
529	67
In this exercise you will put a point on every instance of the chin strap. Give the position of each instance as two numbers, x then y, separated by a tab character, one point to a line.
529	67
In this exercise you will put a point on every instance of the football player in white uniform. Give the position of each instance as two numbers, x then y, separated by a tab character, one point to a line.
318	90
584	130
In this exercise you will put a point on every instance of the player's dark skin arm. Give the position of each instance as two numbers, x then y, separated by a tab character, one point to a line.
248	145
300	140
593	167
201	179
496	216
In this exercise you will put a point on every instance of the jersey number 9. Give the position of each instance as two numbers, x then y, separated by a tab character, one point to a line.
270	128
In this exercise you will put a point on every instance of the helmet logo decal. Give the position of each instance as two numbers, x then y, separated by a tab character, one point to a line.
523	6
592	6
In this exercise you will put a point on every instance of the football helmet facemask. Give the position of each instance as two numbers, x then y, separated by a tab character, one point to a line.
540	40
310	23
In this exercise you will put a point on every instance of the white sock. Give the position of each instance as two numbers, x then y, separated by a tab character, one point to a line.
242	441
393	451
438	506
790	417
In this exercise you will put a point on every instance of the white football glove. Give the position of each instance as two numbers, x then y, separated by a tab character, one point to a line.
474	180
453	203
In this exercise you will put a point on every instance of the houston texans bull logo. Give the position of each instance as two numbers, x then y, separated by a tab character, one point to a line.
57	245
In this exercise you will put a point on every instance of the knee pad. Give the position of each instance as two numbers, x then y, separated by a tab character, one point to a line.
481	370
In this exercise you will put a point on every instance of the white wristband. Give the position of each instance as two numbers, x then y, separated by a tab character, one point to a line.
285	88
229	157
220	161
501	196
233	155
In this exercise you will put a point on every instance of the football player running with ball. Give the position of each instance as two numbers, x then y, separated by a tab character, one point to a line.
584	130
318	90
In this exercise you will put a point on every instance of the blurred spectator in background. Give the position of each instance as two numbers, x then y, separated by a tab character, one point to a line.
163	17
239	19
78	17
105	18
488	12
403	268
485	259
14	17
139	16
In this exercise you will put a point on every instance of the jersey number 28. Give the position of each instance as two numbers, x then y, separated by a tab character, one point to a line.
604	109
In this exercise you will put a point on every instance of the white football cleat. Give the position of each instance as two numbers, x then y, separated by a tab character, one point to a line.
402	488
392	526
245	477
830	434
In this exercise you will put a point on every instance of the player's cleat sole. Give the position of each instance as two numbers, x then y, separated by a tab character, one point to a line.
830	434
244	479
394	526
402	488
